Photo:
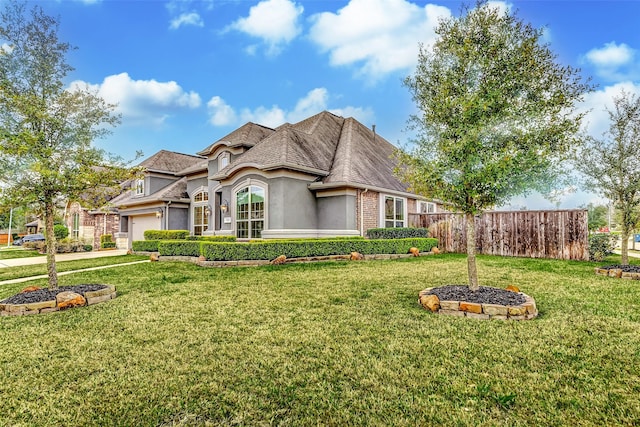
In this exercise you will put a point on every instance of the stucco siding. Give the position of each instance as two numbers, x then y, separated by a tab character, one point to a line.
337	213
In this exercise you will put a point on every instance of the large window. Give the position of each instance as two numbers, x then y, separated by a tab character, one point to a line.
76	225
394	212
200	212
250	209
426	207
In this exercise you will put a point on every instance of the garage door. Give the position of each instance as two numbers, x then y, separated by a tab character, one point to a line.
142	223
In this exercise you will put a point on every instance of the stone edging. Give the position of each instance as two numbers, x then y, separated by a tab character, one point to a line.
526	311
91	297
249	263
617	272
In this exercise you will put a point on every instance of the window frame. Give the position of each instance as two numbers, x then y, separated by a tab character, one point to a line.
431	207
138	189
223	160
250	229
199	211
397	221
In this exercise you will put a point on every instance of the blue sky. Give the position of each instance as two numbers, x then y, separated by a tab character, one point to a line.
185	73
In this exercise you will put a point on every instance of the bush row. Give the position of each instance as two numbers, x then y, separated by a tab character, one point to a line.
397	233
267	250
166	234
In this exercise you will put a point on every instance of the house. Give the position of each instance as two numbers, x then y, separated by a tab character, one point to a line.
88	225
324	176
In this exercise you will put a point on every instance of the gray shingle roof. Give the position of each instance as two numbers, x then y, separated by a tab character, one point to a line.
247	135
337	150
176	191
169	162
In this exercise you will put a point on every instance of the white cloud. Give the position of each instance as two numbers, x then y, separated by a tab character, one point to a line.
273	21
614	62
315	101
596	103
142	101
611	55
191	18
376	36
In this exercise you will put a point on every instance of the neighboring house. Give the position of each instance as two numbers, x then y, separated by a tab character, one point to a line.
88	225
160	199
322	177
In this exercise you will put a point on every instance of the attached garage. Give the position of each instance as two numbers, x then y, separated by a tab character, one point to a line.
140	223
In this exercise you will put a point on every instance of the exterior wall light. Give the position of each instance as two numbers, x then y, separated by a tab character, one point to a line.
224	207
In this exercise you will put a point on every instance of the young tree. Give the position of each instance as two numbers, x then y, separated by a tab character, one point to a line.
495	115
46	130
598	216
611	165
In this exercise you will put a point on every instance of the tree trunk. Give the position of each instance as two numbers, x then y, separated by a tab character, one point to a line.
471	252
624	248
50	245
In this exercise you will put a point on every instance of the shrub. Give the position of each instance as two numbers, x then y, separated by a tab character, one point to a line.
106	238
397	233
89	248
601	245
179	248
107	245
213	238
267	250
145	245
60	231
166	234
69	246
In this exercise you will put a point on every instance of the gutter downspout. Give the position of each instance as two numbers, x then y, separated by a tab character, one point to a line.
166	215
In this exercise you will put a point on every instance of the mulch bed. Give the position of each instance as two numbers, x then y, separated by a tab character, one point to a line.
43	295
484	295
624	268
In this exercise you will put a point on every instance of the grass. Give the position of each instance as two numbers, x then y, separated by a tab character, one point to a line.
12	253
326	344
39	269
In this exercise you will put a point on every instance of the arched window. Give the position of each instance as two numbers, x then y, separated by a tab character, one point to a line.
200	212
250	212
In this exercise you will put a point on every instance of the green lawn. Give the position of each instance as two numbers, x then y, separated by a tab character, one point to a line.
340	343
40	269
11	253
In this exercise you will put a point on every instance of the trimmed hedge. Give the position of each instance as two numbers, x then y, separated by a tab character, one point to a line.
145	245
106	238
267	250
397	233
179	247
107	245
213	238
166	234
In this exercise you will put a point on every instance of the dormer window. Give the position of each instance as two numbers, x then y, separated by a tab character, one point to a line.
139	187
223	160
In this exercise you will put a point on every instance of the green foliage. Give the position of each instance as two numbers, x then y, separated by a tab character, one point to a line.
397	233
89	248
166	234
601	245
179	248
496	114
267	250
611	165
145	245
69	246
46	128
597	216
106	238
107	245
60	231
213	238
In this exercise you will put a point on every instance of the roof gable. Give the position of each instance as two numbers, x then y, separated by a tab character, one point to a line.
170	162
247	135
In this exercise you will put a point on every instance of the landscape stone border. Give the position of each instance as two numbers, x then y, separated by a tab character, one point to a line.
254	263
525	311
91	297
617	273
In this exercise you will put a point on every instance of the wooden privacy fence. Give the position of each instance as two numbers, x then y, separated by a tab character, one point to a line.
560	234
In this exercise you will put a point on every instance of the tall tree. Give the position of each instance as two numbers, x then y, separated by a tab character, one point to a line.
611	164
495	115
46	129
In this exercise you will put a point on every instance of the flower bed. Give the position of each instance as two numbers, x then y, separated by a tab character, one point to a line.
520	307
35	301
629	272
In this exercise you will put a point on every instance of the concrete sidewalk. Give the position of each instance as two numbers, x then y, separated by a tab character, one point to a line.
17	262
